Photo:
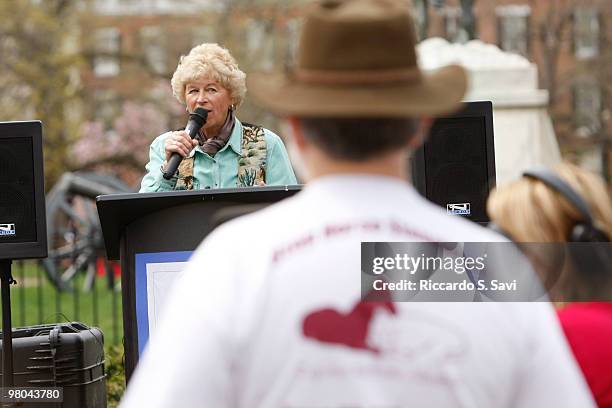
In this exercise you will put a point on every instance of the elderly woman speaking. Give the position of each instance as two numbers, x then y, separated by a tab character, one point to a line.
226	153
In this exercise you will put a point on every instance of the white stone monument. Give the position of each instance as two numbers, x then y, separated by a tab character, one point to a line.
524	134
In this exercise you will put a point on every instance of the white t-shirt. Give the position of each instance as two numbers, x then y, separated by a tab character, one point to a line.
263	317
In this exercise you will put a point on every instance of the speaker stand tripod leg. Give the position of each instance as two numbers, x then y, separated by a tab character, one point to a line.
7	329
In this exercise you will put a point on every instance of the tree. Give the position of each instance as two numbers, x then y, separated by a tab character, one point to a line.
551	32
123	149
39	71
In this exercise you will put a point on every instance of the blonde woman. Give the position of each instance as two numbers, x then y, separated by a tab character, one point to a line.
546	208
227	153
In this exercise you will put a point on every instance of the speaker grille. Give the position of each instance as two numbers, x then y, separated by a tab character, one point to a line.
456	164
17	190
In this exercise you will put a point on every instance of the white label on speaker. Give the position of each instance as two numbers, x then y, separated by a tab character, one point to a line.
7	230
458	209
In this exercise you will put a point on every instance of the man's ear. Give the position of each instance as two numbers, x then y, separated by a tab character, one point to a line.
297	146
422	132
297	133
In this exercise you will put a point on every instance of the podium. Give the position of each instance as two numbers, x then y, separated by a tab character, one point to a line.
161	230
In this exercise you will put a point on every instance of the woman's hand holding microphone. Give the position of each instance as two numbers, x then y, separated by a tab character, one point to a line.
178	142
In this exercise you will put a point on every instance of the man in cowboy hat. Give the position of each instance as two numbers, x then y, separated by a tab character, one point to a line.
284	324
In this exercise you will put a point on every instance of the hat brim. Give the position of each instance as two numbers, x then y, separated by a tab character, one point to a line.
436	93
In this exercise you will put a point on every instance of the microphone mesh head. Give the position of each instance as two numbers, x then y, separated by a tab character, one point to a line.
199	116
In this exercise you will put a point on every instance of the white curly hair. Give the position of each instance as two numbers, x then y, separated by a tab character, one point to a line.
212	61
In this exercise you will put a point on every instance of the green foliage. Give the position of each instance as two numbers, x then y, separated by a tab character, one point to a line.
115	375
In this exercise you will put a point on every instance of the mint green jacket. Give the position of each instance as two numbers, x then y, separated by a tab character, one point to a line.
220	171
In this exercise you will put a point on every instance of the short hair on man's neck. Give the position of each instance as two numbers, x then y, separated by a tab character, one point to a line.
356	139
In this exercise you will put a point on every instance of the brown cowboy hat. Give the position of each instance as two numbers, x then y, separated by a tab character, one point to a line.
356	58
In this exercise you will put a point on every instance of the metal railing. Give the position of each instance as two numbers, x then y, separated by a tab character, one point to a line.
36	300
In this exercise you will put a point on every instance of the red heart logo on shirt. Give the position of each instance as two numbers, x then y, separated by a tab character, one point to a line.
350	329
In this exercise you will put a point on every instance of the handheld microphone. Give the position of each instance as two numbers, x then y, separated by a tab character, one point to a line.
197	119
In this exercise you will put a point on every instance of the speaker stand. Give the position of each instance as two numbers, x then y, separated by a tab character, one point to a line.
7	328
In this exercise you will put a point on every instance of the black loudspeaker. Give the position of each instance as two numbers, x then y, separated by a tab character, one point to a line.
23	230
455	168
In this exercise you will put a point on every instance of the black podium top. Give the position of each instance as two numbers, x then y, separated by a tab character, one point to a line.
116	211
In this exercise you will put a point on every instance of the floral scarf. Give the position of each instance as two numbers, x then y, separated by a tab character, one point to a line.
214	144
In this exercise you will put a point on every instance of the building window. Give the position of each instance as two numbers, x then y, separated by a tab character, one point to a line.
107	46
586	32
153	46
255	36
107	106
513	28
420	15
593	158
587	107
453	30
260	44
151	7
293	28
202	34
